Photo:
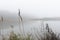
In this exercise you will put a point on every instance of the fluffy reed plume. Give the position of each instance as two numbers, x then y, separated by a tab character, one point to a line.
49	35
21	21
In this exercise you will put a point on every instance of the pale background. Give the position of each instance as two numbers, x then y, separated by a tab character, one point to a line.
32	9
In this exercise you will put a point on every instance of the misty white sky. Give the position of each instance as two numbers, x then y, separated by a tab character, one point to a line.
34	8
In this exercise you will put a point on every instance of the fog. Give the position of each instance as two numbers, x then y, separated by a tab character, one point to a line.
35	8
30	9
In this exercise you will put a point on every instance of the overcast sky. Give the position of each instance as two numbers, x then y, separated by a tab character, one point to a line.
34	8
